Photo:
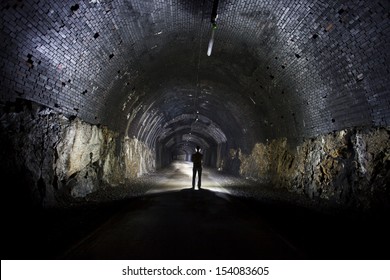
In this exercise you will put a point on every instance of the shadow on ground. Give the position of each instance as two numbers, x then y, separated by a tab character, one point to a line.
192	224
186	224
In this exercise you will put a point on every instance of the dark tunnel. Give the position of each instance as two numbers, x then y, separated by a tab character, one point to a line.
104	101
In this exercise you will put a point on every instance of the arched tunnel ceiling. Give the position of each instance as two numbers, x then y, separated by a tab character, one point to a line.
278	68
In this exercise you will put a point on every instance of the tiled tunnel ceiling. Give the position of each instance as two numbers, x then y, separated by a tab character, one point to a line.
278	68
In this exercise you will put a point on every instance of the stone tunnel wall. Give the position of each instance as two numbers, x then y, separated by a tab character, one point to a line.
349	167
47	157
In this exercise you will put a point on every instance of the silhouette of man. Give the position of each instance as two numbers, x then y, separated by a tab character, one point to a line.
197	167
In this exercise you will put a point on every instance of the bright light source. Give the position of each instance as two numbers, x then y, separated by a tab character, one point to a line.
178	176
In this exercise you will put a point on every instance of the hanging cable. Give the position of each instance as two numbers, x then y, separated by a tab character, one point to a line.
214	13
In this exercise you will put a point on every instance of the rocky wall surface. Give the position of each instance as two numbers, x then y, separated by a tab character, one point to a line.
349	167
49	157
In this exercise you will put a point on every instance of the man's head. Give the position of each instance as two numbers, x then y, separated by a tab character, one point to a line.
197	148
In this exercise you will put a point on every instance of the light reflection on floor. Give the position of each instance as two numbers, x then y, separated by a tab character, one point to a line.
178	176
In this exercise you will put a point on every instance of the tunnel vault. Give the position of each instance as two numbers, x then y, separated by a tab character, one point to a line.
138	74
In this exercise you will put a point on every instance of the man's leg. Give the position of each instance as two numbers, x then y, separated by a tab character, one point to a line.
193	177
199	177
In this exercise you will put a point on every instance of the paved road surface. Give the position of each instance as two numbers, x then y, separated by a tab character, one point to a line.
174	222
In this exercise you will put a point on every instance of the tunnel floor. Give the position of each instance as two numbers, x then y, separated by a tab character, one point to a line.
177	222
184	225
172	221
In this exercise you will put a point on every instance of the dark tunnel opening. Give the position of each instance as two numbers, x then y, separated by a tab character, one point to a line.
104	102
